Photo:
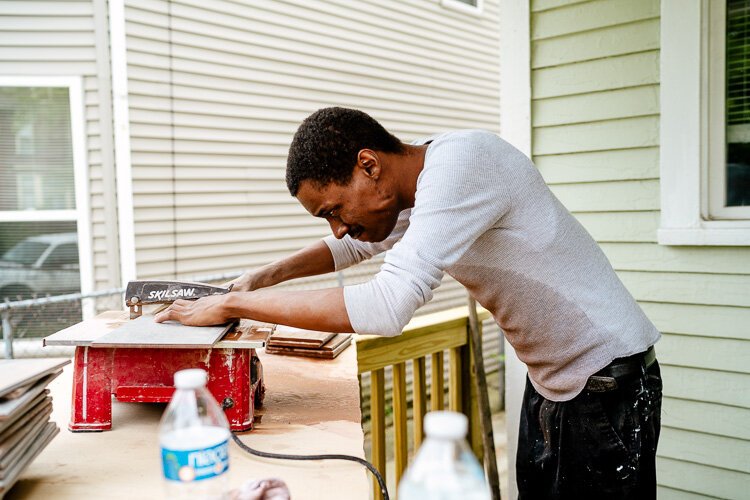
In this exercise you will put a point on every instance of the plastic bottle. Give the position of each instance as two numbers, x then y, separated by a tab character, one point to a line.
445	467
194	439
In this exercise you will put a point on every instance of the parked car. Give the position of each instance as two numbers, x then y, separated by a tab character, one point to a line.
40	265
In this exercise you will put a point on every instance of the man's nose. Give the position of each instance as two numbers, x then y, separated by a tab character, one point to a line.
339	229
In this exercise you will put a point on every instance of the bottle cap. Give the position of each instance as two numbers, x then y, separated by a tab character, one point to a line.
446	425
190	379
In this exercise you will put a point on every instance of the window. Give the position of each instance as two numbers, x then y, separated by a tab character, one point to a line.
705	123
469	6
43	195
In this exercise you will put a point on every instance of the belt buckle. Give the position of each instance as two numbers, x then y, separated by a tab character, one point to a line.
597	383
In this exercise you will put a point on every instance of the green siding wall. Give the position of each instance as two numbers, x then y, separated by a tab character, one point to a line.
595	138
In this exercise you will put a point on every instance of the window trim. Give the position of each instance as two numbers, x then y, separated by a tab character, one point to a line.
685	132
81	214
464	7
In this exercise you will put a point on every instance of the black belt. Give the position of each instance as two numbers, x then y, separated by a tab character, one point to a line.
620	369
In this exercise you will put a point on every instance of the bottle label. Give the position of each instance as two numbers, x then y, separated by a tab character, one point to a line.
195	465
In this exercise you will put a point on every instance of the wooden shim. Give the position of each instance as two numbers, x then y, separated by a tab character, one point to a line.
145	332
297	337
4	424
10	446
333	348
44	406
9	407
11	475
15	373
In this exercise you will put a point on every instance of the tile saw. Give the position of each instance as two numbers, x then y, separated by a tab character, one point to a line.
129	357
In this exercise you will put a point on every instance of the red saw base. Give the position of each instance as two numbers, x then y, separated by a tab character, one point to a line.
138	375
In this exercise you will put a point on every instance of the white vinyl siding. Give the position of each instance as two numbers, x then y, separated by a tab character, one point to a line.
209	149
595	118
41	38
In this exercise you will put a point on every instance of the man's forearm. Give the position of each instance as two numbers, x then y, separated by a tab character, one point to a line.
322	310
312	260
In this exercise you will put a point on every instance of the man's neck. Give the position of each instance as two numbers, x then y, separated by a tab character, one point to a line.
408	166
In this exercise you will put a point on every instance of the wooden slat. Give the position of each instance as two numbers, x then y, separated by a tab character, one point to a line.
709	418
589	16
610	105
377	421
399	420
702	479
705	321
596	76
710	386
689	288
716	451
437	392
634	227
653	257
624	39
637	132
623	196
455	385
420	399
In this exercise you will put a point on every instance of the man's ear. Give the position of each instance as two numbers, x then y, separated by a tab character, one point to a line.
369	163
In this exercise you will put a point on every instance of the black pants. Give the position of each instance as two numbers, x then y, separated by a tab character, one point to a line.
597	445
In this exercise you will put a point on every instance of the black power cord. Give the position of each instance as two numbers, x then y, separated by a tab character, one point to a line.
350	458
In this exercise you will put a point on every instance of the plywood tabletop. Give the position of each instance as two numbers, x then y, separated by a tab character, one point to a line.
312	406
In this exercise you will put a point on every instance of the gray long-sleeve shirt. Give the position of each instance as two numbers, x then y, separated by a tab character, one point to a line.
484	215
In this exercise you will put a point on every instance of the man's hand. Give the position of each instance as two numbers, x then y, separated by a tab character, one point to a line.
205	311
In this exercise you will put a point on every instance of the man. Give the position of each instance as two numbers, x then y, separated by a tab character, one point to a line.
469	204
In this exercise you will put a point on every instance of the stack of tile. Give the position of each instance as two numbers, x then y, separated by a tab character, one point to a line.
25	409
297	342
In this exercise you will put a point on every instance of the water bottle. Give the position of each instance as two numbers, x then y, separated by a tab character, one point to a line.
444	468
194	439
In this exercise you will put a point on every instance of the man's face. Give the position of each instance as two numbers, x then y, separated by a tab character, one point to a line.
365	208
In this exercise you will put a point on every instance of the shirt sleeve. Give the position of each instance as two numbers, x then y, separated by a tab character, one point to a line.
460	195
347	251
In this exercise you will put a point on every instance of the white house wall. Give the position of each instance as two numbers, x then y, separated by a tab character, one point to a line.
209	150
52	39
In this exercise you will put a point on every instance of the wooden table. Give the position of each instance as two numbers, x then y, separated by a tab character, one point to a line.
311	407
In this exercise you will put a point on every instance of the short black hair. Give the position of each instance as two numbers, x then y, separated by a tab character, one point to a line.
326	144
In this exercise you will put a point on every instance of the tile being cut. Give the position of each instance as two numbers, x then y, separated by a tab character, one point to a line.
145	332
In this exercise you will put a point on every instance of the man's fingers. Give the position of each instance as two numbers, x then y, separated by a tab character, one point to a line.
169	313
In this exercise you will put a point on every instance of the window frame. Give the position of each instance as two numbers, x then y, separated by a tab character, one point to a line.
81	214
692	142
464	7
